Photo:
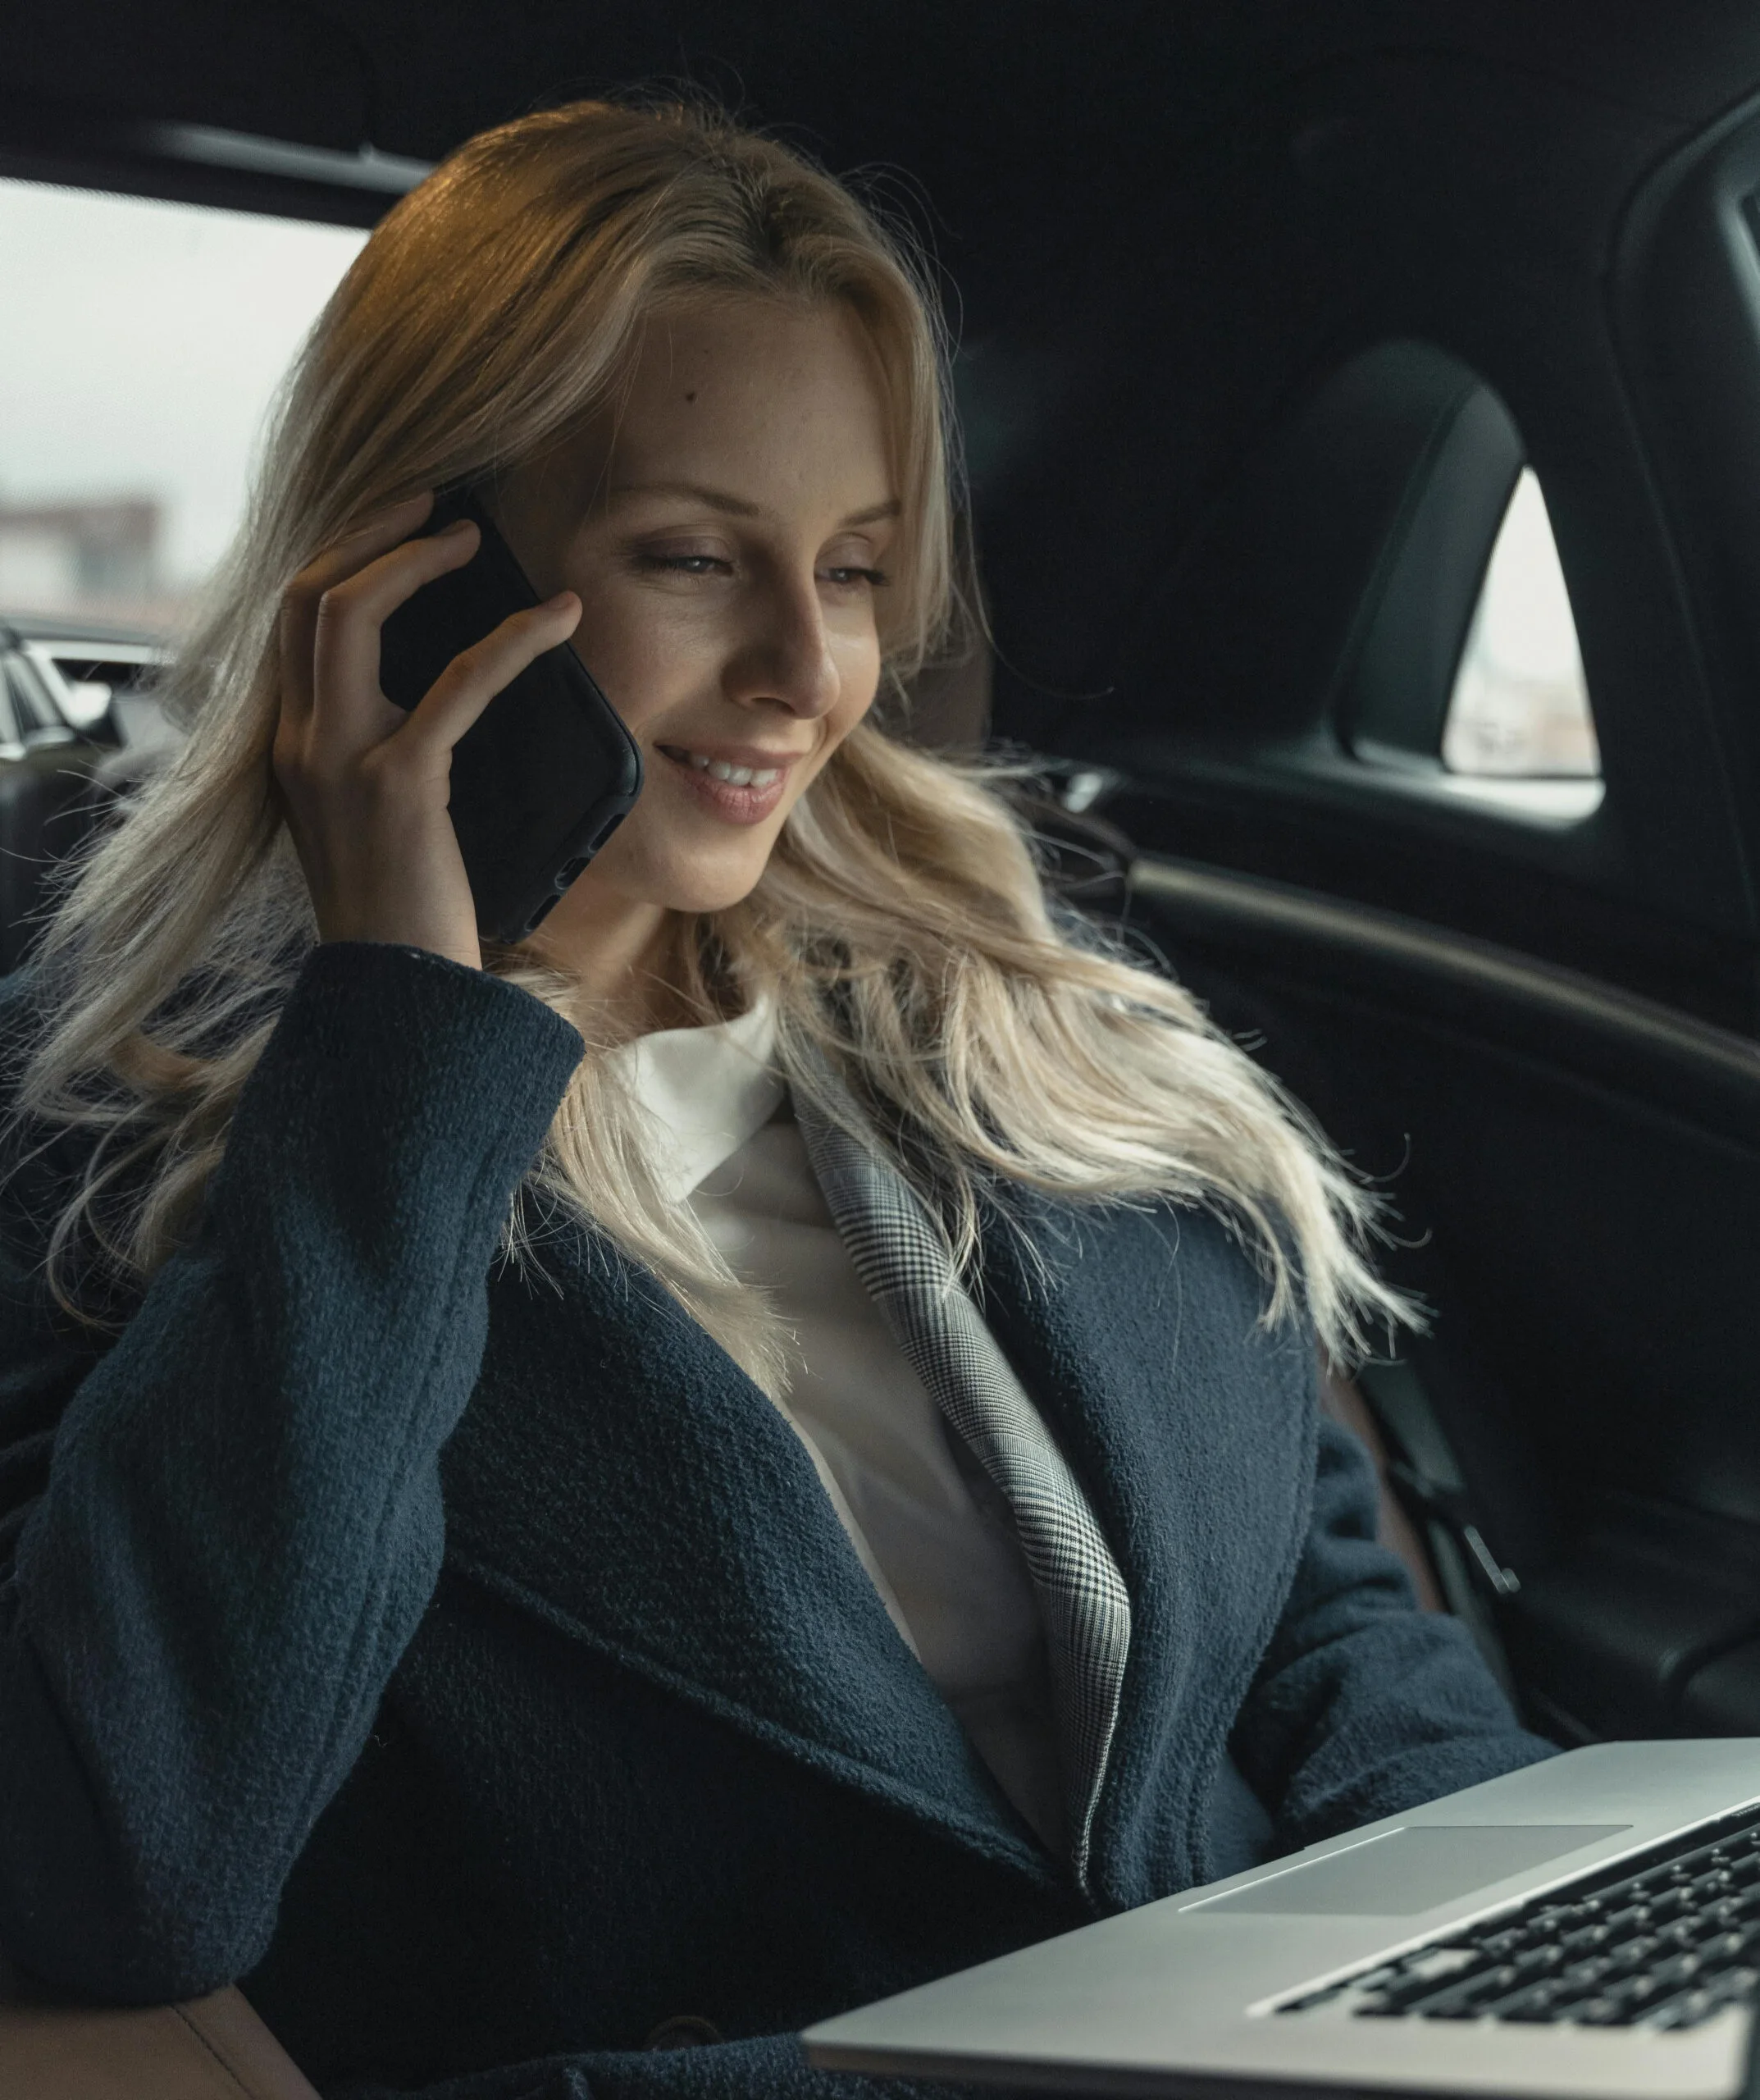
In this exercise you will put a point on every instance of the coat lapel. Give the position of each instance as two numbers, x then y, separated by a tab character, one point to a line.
1193	1430
617	1474
1084	1603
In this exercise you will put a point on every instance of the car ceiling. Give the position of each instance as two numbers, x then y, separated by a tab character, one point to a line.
957	87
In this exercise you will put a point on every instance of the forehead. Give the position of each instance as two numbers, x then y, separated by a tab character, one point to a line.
782	395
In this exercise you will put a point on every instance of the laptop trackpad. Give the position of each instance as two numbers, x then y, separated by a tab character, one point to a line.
1412	1870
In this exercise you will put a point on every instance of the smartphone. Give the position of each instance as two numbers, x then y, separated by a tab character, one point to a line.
548	771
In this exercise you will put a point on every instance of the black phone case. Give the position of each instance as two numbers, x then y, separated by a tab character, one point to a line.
548	771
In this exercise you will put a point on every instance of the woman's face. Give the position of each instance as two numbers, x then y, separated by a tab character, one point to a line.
728	536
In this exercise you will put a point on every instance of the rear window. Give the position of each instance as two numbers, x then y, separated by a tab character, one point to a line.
1519	721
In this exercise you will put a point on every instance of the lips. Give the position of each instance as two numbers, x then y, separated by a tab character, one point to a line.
740	784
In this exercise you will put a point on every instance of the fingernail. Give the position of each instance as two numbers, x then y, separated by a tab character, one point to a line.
458	525
560	602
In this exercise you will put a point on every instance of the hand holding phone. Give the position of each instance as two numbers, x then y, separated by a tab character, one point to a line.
548	771
364	787
372	790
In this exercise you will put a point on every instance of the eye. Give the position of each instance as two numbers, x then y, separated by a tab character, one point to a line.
876	579
685	565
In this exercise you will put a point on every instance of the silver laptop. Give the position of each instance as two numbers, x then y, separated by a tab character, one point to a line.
1590	1927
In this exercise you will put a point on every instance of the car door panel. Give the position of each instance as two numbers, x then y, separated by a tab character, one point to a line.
1576	1172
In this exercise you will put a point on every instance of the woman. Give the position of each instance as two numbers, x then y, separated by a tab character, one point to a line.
757	1448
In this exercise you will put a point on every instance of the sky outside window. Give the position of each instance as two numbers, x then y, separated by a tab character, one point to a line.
143	344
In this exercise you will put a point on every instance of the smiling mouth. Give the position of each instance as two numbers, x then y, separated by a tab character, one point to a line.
736	794
718	768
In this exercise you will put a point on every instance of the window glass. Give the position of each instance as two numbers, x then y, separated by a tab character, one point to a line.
143	342
1519	707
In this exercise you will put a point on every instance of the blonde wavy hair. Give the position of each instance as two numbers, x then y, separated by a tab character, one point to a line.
902	928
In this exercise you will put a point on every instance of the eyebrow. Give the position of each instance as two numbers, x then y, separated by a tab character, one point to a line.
735	506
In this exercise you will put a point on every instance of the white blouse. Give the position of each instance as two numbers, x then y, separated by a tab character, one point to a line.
926	1523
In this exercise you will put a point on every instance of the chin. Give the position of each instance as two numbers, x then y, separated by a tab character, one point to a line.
710	896
707	888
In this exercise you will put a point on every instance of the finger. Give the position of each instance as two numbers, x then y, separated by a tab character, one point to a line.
294	644
349	711
344	557
298	625
468	683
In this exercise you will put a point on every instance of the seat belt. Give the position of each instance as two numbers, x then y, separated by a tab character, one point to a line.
1424	1471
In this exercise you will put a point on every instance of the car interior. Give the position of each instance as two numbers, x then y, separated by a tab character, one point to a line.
1267	320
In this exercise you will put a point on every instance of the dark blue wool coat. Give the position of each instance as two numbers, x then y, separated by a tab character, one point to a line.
470	1661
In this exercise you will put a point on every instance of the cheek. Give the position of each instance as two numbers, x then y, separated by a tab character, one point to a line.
857	657
849	715
642	653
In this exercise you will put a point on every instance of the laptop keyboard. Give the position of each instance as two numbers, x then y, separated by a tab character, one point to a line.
1663	1940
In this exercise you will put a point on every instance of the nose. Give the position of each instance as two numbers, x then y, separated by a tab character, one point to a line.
786	655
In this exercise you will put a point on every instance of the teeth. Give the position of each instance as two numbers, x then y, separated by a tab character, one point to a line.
736	776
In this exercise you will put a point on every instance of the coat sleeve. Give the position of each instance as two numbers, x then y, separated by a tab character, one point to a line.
218	1534
1364	1705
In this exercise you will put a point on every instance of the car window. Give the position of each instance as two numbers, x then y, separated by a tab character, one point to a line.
1518	723
144	343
